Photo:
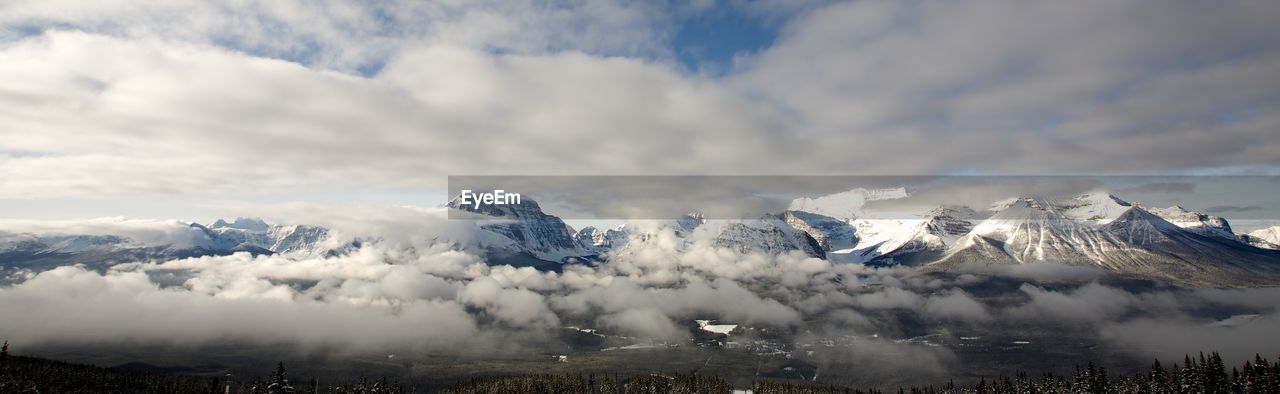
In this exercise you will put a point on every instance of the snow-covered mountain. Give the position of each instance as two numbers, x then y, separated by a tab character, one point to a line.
597	241
1200	223
833	235
100	243
644	234
1135	242
1096	207
1095	229
1268	238
909	241
771	235
521	234
247	233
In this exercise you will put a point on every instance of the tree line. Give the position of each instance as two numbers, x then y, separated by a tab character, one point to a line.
1195	374
1202	374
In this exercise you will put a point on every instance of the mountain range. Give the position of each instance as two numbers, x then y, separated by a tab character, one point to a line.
1097	230
96	247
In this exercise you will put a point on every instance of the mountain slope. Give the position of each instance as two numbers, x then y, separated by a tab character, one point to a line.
910	242
831	234
101	243
770	235
1267	238
522	231
1135	242
1196	222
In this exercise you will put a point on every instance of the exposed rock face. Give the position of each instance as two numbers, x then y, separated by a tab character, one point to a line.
831	234
530	230
254	234
598	242
1096	230
165	241
771	235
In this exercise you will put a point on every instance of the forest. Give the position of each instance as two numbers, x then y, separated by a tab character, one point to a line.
1202	373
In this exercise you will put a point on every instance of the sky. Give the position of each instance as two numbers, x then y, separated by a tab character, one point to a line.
196	110
355	113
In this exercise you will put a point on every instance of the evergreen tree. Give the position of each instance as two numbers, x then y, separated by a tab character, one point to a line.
257	386
1098	380
1261	375
1023	384
1078	381
1189	376
1273	376
1237	381
279	381
1216	378
6	377
1158	379
1254	376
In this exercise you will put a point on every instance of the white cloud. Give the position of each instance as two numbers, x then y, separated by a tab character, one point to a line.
106	116
411	293
517	307
958	305
70	305
645	323
136	232
346	35
1009	87
148	100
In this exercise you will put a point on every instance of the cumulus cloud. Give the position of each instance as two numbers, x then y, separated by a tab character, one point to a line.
1092	303
111	116
178	97
1238	339
1000	86
138	232
432	298
71	305
172	100
354	37
646	322
720	299
518	307
890	298
958	305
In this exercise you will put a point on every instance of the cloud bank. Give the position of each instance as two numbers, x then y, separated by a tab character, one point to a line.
179	97
422	294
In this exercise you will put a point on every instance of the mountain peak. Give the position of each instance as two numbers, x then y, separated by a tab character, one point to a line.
1196	222
523	208
242	223
954	211
1102	197
1267	238
690	221
1098	207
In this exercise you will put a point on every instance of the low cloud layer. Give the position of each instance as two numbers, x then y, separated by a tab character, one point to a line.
418	294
